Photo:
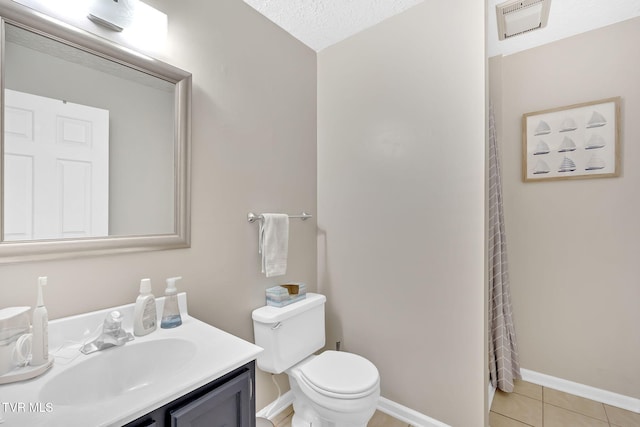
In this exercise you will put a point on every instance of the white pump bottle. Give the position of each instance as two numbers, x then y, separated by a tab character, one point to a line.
145	317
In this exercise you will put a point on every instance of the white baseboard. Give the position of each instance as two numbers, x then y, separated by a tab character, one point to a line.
385	405
491	395
588	392
407	415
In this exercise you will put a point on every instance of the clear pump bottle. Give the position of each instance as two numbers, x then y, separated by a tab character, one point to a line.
171	312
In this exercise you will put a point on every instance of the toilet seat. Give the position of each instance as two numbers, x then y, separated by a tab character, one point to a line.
340	375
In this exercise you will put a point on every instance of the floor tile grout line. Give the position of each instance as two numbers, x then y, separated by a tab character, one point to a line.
578	412
606	419
526	395
606	414
543	402
514	419
539	401
574	409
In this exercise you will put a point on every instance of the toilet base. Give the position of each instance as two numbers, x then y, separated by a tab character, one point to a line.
304	417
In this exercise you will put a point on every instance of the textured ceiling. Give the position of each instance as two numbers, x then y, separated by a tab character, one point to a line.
321	23
566	18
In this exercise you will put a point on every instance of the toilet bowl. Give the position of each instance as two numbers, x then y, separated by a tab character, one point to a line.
332	389
337	388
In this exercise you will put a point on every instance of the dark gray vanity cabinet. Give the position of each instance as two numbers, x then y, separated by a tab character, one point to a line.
228	401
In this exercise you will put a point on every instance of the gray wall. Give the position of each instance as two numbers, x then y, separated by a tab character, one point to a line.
401	204
254	149
573	245
397	185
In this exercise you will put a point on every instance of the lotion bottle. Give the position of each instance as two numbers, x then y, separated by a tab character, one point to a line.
145	316
171	312
40	344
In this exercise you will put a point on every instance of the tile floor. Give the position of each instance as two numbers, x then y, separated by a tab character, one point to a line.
380	419
537	406
530	405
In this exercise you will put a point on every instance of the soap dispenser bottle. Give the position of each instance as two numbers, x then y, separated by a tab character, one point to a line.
171	312
40	343
145	316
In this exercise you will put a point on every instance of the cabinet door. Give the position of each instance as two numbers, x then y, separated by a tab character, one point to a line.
226	406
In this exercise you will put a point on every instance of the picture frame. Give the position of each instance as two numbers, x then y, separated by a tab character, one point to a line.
574	142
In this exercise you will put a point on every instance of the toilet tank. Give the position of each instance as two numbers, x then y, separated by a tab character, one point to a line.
289	334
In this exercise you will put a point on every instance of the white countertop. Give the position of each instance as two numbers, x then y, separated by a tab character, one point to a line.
217	353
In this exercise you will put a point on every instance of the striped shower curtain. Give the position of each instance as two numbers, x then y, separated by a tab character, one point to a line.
504	365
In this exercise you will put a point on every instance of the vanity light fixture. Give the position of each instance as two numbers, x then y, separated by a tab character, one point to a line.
521	16
115	15
131	23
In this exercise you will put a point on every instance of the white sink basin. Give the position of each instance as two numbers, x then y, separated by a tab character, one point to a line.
112	387
117	371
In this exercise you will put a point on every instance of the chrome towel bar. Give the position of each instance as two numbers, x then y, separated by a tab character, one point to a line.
251	217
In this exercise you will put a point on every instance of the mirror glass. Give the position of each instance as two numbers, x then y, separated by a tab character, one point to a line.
94	146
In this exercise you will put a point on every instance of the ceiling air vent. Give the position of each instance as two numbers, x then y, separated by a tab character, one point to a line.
521	16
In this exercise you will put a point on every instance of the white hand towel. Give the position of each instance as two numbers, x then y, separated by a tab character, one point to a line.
274	244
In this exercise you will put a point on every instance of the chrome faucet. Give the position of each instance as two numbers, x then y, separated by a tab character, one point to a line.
112	335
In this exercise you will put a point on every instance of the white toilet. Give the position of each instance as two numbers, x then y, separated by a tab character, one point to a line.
332	389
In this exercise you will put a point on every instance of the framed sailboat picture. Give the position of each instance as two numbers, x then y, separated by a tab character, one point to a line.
573	142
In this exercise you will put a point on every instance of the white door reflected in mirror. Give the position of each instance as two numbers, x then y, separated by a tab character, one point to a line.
56	164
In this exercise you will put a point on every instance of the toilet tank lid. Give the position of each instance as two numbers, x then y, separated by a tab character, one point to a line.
269	314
